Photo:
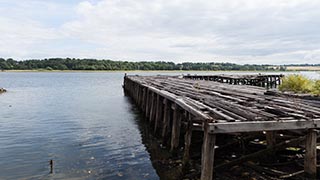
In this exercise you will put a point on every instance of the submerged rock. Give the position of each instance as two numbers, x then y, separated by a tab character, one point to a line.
2	90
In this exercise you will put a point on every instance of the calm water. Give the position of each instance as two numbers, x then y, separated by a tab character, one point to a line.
82	121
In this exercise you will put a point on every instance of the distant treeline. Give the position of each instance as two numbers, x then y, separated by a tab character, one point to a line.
93	64
302	65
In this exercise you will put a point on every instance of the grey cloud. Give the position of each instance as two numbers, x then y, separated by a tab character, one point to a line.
243	31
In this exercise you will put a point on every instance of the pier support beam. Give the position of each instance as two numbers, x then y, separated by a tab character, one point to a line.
152	108
166	120
187	143
271	138
271	142
159	113
147	103
176	124
310	160
207	159
144	99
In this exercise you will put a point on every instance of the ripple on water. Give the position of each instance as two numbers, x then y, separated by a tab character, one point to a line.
80	120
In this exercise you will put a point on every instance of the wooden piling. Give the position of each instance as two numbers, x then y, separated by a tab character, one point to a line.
144	99
152	107
159	113
310	160
51	166
147	103
166	119
207	158
271	138
187	142
176	124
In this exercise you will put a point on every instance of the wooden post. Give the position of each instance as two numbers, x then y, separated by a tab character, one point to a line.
159	113
176	124
187	142
148	103
152	107
271	142
51	166
144	97
137	93
310	160
166	116
140	96
207	158
271	138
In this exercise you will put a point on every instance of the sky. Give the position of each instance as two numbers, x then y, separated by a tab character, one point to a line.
237	31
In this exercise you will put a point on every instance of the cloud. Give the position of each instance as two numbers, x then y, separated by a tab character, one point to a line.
243	31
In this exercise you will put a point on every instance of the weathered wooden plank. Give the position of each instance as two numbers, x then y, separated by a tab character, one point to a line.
181	102
253	126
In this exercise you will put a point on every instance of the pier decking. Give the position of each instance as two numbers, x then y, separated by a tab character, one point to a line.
268	81
177	106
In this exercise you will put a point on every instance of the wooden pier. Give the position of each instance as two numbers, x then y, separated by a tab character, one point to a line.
268	81
177	107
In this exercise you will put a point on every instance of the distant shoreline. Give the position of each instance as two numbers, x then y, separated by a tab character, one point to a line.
124	71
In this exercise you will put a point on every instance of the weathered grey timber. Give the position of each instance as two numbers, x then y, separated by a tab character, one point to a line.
268	81
176	105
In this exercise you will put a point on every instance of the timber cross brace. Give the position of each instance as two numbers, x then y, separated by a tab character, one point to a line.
177	107
208	152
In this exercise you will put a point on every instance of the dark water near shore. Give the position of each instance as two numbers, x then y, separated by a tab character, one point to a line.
81	120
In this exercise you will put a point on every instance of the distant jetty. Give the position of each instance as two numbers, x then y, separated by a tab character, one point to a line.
2	90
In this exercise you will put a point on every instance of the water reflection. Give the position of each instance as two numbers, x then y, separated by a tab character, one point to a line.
82	121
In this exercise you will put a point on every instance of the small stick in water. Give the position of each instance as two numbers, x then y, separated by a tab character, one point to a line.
51	166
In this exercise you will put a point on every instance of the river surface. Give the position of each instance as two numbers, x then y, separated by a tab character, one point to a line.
82	121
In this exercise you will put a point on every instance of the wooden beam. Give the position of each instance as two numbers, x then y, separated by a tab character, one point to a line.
271	138
159	113
187	143
262	153
254	126
181	102
144	99
207	158
176	125
166	118
147	103
310	160
152	108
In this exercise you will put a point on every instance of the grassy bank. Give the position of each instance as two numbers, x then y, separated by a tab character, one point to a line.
300	84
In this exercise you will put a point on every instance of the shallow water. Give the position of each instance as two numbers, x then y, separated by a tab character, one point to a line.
82	121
